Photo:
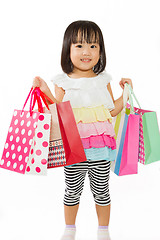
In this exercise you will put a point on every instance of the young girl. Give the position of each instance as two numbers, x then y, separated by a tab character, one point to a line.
87	86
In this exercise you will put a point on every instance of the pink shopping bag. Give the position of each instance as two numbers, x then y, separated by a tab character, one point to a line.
126	161
19	139
127	138
129	158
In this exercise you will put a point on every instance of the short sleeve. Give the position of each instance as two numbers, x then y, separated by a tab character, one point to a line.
105	78
58	80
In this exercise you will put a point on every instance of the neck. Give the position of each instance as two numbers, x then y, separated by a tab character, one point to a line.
80	74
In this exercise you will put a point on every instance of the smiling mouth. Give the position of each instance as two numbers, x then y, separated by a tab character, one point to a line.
86	60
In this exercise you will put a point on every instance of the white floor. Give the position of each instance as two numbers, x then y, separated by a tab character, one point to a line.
32	207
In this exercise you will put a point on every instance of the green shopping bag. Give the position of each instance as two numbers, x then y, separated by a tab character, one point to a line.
149	136
149	142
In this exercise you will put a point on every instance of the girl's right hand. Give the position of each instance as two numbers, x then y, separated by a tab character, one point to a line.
39	82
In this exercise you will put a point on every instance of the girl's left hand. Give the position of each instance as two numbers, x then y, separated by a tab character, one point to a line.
125	80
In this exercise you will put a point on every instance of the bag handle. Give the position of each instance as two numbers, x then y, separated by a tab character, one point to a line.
39	101
132	93
30	92
41	97
44	96
128	92
37	96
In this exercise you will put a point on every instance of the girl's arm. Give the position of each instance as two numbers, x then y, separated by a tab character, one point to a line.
59	92
118	102
39	82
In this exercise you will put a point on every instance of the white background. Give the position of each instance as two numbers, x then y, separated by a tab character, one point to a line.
30	44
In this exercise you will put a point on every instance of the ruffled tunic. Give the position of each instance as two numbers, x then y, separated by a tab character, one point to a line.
91	103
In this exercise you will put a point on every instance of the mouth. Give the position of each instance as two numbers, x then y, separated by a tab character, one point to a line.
86	60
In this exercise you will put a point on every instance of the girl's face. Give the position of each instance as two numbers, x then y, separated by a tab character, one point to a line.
84	56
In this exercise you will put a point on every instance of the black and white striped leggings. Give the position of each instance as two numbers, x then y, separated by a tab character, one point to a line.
98	173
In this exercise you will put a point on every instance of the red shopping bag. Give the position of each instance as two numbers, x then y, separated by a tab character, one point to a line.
73	147
65	146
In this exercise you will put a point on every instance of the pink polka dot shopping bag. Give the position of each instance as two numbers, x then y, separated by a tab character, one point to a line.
27	144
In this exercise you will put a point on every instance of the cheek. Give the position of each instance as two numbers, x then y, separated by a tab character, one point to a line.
96	56
73	58
73	54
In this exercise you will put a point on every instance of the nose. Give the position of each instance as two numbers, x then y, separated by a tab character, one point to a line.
86	51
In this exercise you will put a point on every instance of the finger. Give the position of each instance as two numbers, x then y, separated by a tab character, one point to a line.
35	83
39	78
121	85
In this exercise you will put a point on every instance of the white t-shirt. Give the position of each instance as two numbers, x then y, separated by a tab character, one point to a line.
86	92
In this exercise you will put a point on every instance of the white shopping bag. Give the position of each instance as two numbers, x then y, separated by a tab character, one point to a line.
38	157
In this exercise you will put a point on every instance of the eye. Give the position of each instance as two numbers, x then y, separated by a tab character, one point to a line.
93	46
79	46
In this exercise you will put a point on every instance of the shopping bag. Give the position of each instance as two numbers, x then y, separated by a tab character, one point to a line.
149	142
19	139
65	146
73	147
149	137
56	156
38	156
127	139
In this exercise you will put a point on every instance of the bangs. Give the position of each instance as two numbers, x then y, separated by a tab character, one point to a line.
82	35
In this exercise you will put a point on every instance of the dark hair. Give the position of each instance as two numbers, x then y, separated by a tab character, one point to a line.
91	33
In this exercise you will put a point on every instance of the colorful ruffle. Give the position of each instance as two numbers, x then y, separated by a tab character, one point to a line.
96	132
89	115
100	154
96	128
99	141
